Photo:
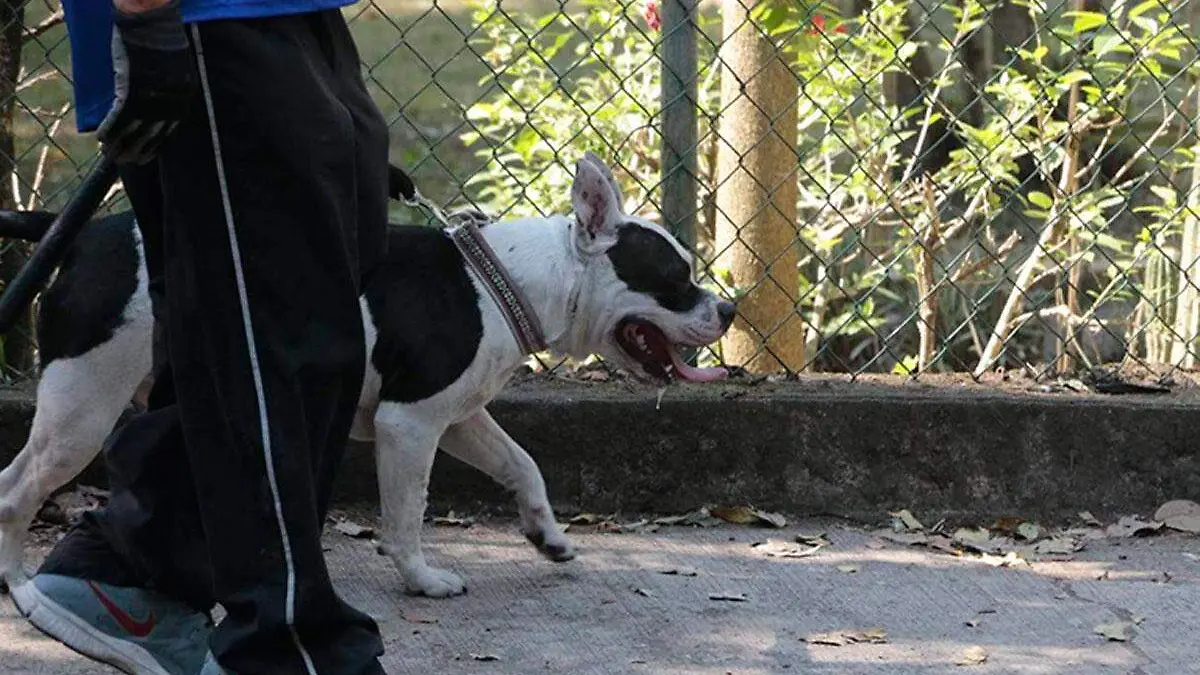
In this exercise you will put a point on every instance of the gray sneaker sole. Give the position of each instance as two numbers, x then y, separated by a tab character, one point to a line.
71	630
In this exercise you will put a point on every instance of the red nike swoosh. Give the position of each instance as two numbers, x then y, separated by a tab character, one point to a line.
138	629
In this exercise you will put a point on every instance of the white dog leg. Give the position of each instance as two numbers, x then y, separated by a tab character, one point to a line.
482	443
78	402
404	452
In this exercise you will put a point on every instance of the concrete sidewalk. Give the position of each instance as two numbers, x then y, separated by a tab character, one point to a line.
613	610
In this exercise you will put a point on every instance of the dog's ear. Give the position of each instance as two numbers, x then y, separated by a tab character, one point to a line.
608	175
597	213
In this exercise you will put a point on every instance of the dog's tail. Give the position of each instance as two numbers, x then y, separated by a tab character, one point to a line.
26	225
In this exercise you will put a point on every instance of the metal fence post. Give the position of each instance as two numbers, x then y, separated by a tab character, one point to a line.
679	98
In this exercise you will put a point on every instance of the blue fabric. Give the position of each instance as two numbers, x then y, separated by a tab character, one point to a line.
89	26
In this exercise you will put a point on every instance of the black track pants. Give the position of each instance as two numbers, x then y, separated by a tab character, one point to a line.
270	202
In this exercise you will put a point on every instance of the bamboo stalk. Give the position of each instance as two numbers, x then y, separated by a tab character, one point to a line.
1069	184
927	300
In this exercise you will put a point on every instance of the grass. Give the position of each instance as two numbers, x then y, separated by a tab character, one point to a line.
417	63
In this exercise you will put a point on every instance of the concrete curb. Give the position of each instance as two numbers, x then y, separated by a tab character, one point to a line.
816	447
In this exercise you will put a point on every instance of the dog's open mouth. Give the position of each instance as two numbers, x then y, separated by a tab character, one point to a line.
648	345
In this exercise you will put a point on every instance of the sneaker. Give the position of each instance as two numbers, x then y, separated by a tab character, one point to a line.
211	667
137	631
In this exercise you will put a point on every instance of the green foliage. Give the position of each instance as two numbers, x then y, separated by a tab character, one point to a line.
564	82
586	76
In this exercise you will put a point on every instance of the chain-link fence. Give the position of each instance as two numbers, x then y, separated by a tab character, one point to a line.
884	186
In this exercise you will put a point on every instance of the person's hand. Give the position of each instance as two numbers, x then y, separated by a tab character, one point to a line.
154	77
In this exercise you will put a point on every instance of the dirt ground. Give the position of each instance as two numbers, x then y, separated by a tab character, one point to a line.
706	600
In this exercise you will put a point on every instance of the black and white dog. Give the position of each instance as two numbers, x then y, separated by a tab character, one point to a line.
440	349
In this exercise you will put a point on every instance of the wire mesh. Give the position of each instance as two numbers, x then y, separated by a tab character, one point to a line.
884	186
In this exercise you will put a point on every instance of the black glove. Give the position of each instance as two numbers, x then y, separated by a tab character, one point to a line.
155	81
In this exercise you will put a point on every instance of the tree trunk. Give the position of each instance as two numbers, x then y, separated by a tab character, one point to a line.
756	200
18	343
977	59
679	98
1187	312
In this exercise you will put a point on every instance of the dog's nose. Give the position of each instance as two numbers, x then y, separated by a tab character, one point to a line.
726	311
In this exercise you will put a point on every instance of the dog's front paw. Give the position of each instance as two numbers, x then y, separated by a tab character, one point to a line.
552	544
433	582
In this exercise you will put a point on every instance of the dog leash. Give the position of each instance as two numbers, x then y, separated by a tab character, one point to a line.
55	243
522	321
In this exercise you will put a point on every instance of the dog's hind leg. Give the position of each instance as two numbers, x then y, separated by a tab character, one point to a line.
405	446
482	443
78	402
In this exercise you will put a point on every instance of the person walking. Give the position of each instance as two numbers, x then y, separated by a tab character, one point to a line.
256	165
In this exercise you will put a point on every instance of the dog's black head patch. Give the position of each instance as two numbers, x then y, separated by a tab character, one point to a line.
648	263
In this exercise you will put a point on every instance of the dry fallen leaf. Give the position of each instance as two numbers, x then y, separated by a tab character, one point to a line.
1010	559
589	519
66	507
904	538
839	638
848	569
872	635
679	571
904	520
485	657
700	518
1116	631
728	597
452	519
834	639
1090	520
1180	514
635	527
1028	532
773	519
944	544
972	656
974	538
748	515
1132	526
740	515
1007	524
777	548
643	592
354	530
417	618
813	539
1060	545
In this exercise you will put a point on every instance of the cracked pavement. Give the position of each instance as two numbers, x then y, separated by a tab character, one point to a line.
612	610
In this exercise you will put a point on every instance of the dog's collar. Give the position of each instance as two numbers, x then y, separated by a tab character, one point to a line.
479	256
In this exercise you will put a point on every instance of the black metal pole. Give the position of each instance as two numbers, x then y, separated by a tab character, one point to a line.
54	244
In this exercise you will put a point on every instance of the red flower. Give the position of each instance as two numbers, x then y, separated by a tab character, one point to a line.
819	24
653	20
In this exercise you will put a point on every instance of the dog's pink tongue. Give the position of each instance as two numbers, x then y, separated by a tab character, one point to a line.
693	374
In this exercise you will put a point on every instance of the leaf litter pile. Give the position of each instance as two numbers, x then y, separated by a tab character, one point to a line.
63	509
1007	542
701	517
1012	541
